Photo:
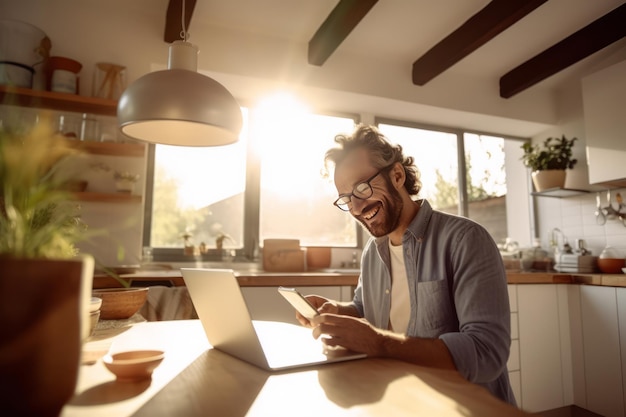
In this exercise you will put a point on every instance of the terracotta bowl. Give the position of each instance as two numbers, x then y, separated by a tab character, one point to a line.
611	265
120	303
133	365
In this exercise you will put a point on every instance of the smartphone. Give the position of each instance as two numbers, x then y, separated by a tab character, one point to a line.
297	300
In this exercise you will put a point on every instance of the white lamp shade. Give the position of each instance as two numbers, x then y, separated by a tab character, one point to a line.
179	107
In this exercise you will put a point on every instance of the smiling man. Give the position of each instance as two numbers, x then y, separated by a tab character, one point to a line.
432	289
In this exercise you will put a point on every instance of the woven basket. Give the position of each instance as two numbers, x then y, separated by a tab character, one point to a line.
120	303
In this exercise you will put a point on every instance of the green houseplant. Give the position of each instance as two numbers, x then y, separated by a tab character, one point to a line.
549	161
45	287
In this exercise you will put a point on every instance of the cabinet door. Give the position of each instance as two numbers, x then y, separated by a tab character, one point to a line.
604	98
540	347
603	367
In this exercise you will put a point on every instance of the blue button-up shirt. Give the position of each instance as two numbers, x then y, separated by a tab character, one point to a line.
457	290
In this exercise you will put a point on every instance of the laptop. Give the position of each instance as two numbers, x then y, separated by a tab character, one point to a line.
270	345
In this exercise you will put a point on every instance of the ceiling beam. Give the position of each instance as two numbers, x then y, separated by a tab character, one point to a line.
337	26
173	21
485	25
597	35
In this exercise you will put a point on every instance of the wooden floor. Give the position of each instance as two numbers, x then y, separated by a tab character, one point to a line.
570	411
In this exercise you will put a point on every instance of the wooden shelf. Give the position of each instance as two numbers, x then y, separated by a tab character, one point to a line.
110	148
107	197
559	192
26	97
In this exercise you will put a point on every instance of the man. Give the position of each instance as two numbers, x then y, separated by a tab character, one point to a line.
432	289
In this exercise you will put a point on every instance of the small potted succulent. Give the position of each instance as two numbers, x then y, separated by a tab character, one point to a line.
549	161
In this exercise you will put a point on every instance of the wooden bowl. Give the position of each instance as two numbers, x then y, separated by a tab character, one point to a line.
120	303
133	365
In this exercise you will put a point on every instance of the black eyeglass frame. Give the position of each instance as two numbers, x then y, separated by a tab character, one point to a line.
337	204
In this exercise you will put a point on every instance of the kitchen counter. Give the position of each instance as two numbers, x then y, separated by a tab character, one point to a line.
349	278
245	279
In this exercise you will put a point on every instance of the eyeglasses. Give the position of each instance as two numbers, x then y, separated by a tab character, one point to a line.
362	191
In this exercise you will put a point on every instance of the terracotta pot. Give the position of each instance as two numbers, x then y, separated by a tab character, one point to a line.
120	303
550	178
318	257
44	306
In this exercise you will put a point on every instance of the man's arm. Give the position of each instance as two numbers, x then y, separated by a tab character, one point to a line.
360	336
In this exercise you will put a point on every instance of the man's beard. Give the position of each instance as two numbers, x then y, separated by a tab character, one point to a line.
391	209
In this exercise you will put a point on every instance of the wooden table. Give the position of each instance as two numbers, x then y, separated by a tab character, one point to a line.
195	380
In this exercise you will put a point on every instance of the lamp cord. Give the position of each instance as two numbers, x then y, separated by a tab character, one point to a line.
183	33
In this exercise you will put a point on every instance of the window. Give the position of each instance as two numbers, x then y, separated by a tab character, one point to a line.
268	185
476	188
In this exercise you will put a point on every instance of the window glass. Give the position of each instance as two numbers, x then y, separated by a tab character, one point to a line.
296	201
435	155
199	192
486	183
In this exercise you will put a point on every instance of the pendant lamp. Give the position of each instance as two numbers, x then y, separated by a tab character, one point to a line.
179	106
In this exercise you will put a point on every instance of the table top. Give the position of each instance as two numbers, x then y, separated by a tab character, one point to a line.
195	379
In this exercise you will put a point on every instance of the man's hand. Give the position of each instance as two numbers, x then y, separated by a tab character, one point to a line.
321	304
352	333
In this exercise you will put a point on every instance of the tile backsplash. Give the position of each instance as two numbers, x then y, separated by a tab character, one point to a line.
575	217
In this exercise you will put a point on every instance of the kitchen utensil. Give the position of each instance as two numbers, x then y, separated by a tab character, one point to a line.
609	211
600	217
620	204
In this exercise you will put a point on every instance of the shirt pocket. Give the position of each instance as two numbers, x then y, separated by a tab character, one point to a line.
435	310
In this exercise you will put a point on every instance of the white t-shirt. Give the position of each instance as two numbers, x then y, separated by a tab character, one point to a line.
400	305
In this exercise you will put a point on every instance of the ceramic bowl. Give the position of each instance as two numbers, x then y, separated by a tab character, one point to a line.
133	365
94	313
95	304
120	303
611	265
94	316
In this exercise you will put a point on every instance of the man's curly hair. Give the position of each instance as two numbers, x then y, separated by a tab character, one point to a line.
382	154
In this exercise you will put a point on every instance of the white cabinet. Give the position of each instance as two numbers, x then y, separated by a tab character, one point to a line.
621	321
544	349
604	101
603	321
513	364
265	303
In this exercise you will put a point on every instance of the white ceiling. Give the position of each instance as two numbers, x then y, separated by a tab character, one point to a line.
400	31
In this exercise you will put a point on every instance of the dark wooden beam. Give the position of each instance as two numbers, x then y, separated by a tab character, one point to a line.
597	35
173	21
337	26
485	25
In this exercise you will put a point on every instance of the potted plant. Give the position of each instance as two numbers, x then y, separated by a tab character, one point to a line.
549	161
45	288
125	181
